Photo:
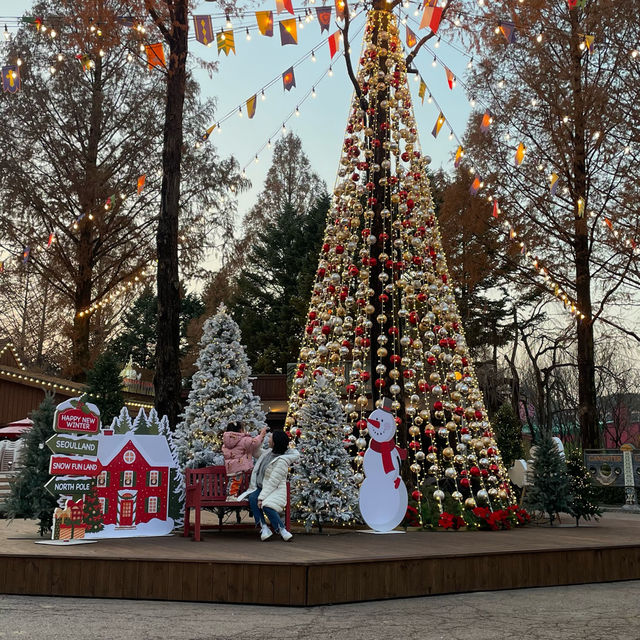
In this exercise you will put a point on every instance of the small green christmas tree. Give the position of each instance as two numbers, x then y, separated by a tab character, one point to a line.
92	511
323	488
550	490
29	498
105	386
121	424
584	501
508	431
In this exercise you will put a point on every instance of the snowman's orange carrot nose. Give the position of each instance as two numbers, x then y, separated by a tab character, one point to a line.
375	423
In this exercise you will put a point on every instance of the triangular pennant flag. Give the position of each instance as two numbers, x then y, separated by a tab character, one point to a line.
11	78
431	18
141	180
450	77
588	41
520	154
334	43
1	266
324	18
496	209
580	207
208	132
203	29
423	89
265	22
458	158
251	106
52	237
553	186
155	56
609	223
226	42
288	32
412	40
284	5
438	125
339	9
85	61
25	255
288	79
475	186
487	119
508	31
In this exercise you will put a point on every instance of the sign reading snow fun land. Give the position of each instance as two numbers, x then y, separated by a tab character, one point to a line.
118	481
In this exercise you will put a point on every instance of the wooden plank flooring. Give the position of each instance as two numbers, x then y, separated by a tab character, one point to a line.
320	569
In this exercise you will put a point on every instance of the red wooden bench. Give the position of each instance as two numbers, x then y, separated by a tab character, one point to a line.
207	488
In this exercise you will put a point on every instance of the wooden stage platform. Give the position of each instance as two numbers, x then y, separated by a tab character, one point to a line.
320	569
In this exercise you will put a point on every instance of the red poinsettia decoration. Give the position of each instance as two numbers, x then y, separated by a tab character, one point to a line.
450	521
411	518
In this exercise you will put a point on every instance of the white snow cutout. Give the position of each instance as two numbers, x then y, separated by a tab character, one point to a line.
151	529
383	494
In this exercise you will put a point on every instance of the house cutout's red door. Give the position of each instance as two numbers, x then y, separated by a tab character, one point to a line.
126	513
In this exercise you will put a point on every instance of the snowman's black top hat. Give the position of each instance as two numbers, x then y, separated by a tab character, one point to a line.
386	404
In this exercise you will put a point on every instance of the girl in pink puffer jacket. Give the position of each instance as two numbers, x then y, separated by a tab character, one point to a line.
238	449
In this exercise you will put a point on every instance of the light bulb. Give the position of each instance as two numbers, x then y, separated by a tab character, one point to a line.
248	35
313	56
7	35
313	92
435	62
297	111
330	71
262	96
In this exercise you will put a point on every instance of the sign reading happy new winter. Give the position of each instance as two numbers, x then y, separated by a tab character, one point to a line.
122	482
383	494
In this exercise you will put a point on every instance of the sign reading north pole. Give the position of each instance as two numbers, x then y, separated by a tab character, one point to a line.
77	416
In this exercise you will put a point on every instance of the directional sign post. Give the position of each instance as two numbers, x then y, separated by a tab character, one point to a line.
74	466
69	485
70	445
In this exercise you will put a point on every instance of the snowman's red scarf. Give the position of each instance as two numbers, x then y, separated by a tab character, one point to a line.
385	449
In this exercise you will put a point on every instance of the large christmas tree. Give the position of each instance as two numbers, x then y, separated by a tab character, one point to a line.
383	319
221	394
323	488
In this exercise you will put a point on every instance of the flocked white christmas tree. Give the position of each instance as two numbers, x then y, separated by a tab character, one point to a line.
220	394
323	487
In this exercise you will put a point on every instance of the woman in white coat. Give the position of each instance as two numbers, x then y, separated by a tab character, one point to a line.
267	493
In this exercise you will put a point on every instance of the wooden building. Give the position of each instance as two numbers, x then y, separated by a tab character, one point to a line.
22	391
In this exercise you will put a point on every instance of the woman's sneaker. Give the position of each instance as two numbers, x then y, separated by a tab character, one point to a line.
286	535
265	533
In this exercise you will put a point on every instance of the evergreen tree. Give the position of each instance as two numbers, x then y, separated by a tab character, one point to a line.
273	289
92	512
220	394
584	500
105	386
322	485
140	324
550	490
121	424
177	487
29	498
508	430
142	426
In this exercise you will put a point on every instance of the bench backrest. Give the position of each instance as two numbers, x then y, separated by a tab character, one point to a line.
213	481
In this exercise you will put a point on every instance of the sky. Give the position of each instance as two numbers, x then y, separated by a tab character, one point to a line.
322	120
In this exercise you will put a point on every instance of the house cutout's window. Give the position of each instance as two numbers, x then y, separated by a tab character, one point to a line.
102	479
103	505
128	476
153	505
129	457
154	478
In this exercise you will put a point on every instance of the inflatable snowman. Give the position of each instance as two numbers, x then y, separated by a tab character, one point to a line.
383	494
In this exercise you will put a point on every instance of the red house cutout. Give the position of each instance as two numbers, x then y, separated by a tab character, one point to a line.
133	481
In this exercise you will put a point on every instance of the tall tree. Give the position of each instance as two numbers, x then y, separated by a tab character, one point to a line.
573	104
274	288
89	131
140	327
105	387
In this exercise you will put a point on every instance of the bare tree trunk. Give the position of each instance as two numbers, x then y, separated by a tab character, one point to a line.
81	355
167	376
587	412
